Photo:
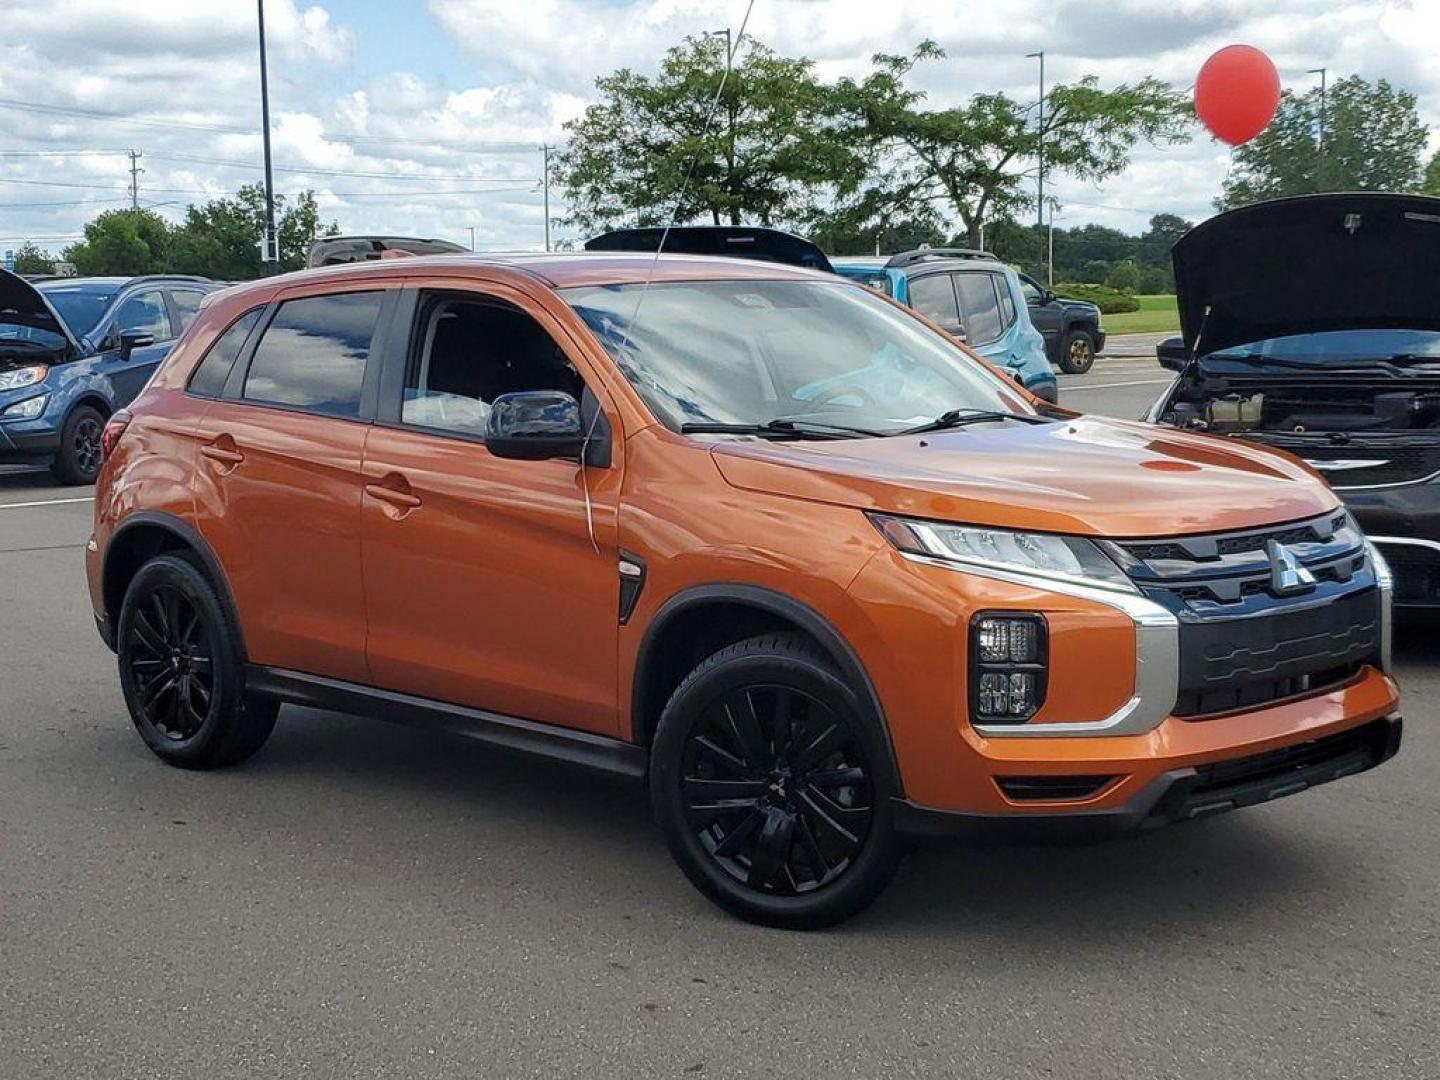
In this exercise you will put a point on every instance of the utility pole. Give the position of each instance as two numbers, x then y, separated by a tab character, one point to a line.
269	245
1050	257
135	172
545	150
1320	169
472	237
1040	153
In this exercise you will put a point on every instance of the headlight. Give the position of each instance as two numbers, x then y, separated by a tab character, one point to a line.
1066	558
25	410
25	376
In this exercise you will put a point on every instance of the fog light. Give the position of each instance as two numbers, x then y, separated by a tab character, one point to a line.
25	410
1007	667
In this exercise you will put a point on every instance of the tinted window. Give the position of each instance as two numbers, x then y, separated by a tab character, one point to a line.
144	313
468	354
81	306
312	355
209	378
1007	302
1029	289
187	303
934	297
982	309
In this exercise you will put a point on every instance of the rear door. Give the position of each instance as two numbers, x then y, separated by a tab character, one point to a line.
980	307
490	583
277	493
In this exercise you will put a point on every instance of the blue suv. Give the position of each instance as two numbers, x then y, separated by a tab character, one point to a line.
970	293
73	351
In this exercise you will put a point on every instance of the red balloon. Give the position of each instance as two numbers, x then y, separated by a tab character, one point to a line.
1237	93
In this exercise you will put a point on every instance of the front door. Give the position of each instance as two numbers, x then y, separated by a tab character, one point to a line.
489	583
143	313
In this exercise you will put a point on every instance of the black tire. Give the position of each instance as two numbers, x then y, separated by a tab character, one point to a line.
1077	355
781	812
182	672
78	459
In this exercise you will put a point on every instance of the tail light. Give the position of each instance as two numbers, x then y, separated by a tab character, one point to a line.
114	429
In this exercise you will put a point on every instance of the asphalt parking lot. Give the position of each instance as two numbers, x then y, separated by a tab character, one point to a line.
363	901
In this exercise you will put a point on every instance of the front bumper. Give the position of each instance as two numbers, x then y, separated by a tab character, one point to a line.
27	441
1177	794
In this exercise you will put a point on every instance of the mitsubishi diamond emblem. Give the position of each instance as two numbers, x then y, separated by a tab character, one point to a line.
1287	576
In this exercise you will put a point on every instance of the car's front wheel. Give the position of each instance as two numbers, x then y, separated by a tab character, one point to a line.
773	785
1078	354
181	669
77	461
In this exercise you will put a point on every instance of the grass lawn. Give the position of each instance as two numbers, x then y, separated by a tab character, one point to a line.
1157	314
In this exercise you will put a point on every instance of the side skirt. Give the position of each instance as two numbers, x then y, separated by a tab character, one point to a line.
575	747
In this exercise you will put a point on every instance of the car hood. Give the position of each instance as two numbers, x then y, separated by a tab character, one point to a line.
1305	265
1078	305
1086	476
21	304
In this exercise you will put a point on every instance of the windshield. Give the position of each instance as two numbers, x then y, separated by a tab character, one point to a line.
1340	346
81	306
754	352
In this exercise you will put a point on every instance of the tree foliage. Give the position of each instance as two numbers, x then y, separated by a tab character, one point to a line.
1373	141
971	162
774	151
218	239
1431	184
29	259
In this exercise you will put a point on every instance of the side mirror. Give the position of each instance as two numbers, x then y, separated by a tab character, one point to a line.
1047	296
533	425
130	340
1172	354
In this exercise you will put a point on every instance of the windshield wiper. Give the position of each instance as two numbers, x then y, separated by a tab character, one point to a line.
956	418
779	429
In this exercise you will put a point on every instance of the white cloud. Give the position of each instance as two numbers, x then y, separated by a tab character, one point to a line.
435	159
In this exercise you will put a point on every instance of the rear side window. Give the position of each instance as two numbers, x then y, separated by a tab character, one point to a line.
1007	302
209	378
982	309
934	297
312	355
144	314
187	303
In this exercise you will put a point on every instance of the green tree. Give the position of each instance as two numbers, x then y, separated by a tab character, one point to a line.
31	260
1431	183
1373	140
838	236
773	152
221	238
122	242
1124	276
972	161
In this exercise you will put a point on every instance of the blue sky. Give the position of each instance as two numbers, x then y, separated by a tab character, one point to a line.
425	116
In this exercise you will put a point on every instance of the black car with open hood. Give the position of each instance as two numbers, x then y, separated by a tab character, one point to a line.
1312	324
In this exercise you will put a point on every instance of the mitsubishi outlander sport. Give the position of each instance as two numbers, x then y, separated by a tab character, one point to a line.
754	533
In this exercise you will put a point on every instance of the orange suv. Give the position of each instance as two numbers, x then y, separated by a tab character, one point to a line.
753	533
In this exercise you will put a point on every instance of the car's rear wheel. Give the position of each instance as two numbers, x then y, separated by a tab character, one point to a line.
181	670
773	786
78	459
1078	354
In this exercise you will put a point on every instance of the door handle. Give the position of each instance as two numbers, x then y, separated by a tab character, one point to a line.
226	456
401	499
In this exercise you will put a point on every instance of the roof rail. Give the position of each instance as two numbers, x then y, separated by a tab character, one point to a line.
908	258
170	277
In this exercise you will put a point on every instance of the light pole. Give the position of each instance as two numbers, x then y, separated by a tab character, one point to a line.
545	150
726	35
1050	256
269	252
472	237
1040	153
1320	169
729	111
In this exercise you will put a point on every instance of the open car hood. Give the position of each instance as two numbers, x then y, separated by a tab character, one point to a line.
21	304
734	241
1361	261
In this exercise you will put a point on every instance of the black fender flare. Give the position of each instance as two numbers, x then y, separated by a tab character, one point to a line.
190	536
775	603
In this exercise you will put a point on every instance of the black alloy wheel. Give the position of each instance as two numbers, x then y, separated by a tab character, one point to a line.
171	654
776	789
773	785
182	670
81	452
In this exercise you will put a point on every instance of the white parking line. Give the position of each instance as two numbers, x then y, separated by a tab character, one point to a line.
1073	388
45	502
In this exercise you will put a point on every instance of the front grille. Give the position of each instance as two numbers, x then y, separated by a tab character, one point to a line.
1392	466
1417	573
1258	778
1242	643
1050	788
